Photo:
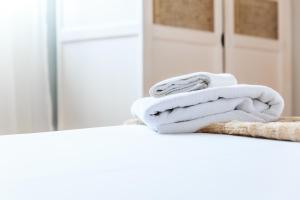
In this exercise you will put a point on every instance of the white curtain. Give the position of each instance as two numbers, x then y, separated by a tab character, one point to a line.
25	104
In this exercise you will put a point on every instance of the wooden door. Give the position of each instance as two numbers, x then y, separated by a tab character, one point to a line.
257	45
181	37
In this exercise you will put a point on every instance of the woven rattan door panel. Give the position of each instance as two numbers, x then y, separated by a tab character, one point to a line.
191	14
256	18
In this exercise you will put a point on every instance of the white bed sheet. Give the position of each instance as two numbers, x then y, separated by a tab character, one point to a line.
134	163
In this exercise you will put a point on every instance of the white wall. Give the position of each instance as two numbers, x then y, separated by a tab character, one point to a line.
296	55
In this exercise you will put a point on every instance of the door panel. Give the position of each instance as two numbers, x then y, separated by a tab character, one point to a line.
181	37
196	14
256	18
257	46
99	61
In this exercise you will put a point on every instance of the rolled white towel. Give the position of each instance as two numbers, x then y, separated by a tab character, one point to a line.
191	82
189	112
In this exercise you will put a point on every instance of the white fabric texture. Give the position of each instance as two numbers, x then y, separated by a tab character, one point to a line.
132	163
191	82
188	112
24	89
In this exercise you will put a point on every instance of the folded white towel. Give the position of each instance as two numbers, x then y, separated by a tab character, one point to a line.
188	112
191	82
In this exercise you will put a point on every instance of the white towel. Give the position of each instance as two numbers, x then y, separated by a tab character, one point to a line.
191	82
189	112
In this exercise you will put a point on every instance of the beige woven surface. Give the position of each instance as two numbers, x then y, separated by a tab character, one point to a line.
284	129
256	18
191	14
287	128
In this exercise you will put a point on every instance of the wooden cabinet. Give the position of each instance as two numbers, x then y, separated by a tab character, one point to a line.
111	52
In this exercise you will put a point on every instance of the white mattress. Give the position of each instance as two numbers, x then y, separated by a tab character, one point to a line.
135	163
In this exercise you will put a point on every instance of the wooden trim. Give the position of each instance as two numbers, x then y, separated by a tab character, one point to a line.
83	34
184	35
241	41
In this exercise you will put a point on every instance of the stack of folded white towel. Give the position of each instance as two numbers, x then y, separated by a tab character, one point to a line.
190	102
